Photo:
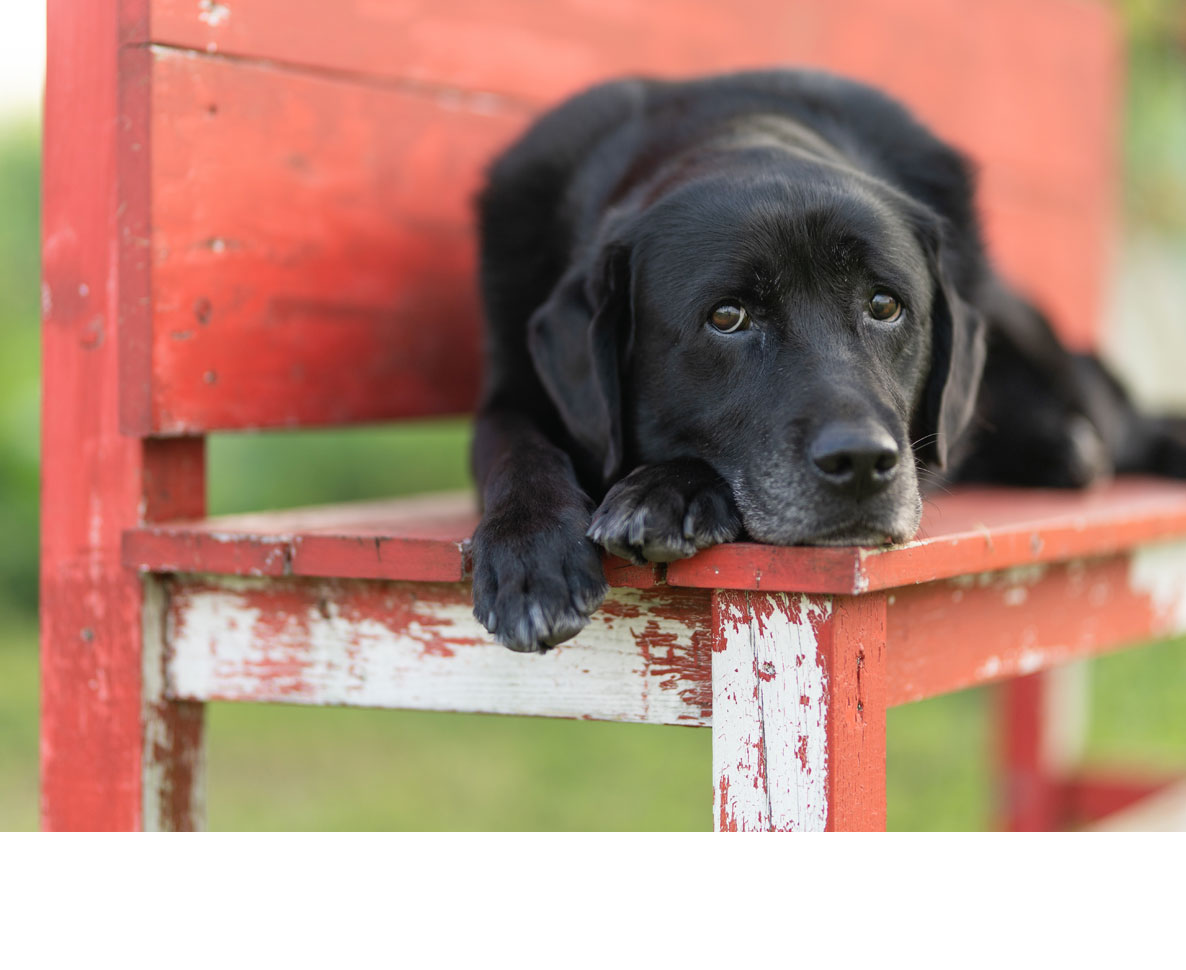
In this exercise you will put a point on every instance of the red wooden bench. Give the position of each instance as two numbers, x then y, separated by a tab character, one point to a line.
257	214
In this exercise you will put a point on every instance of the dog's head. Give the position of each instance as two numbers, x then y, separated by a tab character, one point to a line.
791	321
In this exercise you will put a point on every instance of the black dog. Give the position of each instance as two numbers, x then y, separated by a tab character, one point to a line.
750	305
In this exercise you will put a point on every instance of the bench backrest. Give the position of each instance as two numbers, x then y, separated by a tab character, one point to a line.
296	178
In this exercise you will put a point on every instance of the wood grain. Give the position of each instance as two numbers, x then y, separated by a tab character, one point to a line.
970	530
643	658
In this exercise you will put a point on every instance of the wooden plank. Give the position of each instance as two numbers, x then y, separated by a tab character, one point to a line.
988	627
115	754
798	712
644	657
999	78
422	538
939	637
970	530
312	250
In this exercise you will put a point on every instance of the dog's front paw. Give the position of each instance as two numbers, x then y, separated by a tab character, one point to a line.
659	513
537	579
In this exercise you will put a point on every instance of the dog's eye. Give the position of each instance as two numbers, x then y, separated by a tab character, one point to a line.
884	306
728	317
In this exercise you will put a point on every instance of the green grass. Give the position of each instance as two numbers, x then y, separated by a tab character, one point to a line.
18	723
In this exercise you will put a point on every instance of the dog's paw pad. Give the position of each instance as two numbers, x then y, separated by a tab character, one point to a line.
535	588
657	514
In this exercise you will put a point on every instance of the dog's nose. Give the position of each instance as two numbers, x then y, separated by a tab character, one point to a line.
855	458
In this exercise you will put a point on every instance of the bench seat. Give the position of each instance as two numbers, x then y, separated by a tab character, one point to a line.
368	604
426	538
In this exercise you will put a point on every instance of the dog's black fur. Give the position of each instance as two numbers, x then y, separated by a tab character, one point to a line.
617	414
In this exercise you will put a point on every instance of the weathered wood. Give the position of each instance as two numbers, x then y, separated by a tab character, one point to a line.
969	530
311	256
987	627
966	530
115	753
798	712
644	657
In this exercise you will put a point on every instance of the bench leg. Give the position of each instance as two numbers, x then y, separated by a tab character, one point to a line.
116	753
798	712
1042	720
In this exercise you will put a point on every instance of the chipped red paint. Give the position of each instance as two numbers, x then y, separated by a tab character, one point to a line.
953	634
726	820
391	635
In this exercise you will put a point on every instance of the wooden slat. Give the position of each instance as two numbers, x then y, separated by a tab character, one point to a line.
989	627
297	178
645	654
312	250
645	657
971	530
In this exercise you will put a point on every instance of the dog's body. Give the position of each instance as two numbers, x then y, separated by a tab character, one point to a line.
751	305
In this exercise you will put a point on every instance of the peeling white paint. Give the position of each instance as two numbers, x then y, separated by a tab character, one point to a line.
212	12
1016	576
770	706
990	668
441	660
158	742
1030	661
1016	596
1160	572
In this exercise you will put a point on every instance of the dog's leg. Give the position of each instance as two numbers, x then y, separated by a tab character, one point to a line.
1047	416
666	511
537	578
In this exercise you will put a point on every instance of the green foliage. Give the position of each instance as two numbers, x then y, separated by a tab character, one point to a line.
1155	114
20	273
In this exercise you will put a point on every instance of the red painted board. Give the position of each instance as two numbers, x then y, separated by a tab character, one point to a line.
970	530
312	249
979	629
1028	87
421	538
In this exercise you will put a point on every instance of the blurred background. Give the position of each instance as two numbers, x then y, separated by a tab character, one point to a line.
290	768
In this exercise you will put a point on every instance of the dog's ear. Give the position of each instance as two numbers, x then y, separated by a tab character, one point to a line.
957	361
579	340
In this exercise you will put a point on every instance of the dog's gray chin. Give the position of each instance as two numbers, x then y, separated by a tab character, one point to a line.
894	530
